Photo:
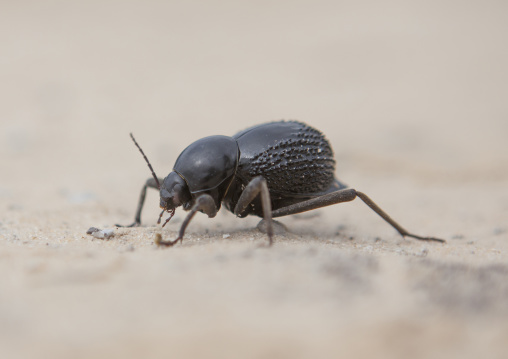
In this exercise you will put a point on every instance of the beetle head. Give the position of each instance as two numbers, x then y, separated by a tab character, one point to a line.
174	192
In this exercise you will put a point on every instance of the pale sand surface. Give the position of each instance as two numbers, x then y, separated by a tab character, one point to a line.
412	96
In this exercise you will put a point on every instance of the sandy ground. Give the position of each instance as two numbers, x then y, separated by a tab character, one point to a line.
412	96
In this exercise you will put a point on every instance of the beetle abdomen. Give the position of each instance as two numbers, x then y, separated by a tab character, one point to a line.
293	157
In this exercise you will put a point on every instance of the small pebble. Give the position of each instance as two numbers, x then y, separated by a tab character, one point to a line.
423	252
101	233
224	236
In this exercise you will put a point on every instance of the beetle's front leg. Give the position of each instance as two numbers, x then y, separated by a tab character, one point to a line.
150	183
257	186
205	204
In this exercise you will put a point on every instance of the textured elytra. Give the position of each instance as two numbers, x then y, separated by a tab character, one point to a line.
300	163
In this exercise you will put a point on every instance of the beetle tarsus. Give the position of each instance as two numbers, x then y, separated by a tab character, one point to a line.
429	239
169	243
135	224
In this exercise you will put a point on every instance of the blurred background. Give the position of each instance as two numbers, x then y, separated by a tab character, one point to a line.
415	89
413	98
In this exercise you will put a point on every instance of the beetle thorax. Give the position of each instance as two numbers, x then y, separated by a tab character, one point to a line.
208	163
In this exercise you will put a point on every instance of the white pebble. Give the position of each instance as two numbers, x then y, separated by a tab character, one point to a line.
101	233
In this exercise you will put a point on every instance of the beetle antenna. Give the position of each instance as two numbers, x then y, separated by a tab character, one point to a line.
148	162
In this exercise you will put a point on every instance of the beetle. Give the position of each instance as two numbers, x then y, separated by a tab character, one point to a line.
269	170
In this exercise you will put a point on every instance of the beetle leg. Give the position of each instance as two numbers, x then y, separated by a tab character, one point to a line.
205	204
150	183
257	186
394	224
346	195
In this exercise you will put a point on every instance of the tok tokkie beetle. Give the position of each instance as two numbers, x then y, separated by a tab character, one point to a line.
270	170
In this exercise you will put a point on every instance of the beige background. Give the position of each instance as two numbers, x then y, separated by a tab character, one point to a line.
412	96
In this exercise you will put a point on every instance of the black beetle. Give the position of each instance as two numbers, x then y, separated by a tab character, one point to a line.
270	170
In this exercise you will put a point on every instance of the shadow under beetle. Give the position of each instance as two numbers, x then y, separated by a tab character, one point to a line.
270	170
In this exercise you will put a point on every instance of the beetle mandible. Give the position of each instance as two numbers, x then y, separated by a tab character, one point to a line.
269	170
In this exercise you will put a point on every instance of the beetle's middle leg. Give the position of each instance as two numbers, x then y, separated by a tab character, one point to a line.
150	183
257	186
346	195
205	204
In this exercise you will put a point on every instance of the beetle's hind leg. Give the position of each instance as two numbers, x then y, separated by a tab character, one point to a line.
403	232
150	183
346	195
257	186
205	204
